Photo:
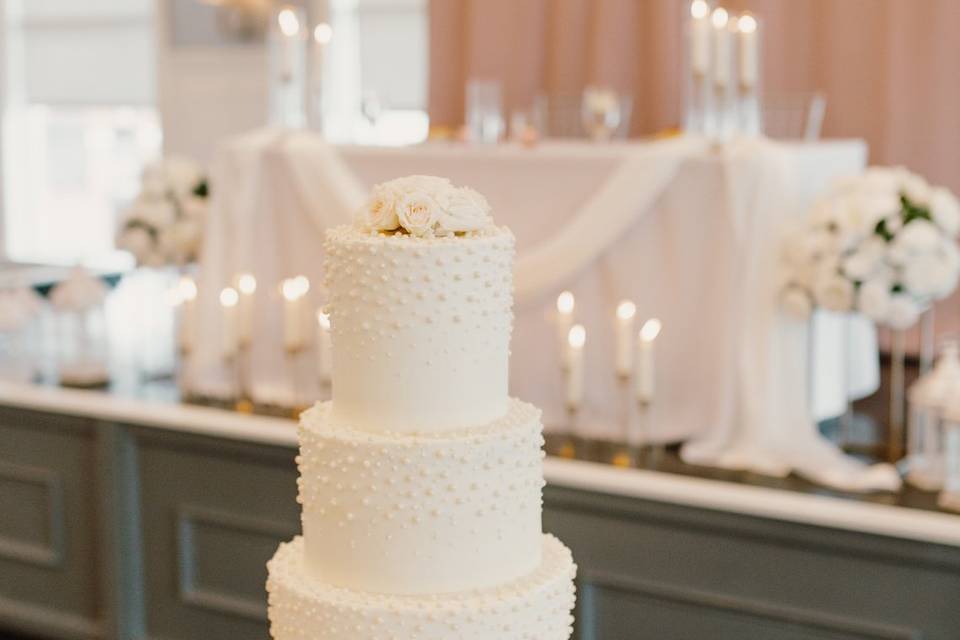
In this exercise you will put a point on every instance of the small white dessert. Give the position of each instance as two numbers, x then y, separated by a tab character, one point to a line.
421	481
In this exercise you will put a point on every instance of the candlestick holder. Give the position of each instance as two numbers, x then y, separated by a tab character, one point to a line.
895	433
749	111
244	399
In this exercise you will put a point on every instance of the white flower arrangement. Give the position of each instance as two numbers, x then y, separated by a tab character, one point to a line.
424	206
164	224
883	243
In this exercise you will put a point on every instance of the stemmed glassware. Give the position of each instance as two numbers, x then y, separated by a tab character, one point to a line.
601	113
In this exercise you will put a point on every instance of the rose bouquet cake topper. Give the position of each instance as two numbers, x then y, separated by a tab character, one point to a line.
424	206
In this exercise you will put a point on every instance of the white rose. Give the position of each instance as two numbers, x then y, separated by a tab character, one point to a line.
915	188
873	299
380	213
903	311
866	260
182	175
796	302
945	211
464	210
917	237
418	212
930	275
194	207
137	241
156	213
834	293
180	242
874	206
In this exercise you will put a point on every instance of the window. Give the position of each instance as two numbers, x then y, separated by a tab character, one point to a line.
377	71
78	123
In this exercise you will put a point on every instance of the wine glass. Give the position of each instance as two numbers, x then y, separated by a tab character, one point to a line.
600	112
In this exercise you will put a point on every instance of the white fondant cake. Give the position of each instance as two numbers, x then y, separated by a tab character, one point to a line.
433	513
421	325
421	481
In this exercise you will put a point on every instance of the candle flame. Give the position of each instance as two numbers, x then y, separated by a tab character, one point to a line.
746	23
295	288
720	17
303	284
577	336
650	330
626	310
247	284
323	319
322	33
699	9
288	21
229	297
565	302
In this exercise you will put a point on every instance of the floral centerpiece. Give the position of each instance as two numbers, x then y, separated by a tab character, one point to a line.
164	224
882	243
424	206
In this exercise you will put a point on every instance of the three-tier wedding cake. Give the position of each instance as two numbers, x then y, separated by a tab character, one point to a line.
421	481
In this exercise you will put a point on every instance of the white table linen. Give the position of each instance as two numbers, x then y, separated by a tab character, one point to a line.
687	231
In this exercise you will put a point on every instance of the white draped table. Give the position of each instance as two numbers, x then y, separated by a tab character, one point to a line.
687	231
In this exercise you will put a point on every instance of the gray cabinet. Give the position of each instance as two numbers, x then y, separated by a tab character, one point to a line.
117	531
50	552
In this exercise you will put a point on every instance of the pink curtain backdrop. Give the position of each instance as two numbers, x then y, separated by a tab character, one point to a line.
890	69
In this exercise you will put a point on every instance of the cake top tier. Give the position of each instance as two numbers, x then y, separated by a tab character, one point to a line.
421	314
424	207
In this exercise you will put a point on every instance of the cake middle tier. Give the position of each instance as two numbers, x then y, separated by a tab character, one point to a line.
421	328
430	513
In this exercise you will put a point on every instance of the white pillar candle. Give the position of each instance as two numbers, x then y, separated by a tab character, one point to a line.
294	290
721	47
187	298
324	347
576	339
565	306
699	37
626	314
247	286
646	361
228	303
748	51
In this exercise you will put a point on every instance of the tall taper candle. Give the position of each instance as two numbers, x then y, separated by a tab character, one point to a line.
187	297
294	289
721	47
247	286
228	302
626	313
289	25
747	51
646	359
699	37
565	306
324	347
576	340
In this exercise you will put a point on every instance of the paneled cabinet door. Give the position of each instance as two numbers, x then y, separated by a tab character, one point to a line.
212	514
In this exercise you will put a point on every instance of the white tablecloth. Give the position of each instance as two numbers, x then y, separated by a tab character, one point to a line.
688	232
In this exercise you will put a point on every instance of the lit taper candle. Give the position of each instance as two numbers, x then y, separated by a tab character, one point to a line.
626	314
646	360
576	340
565	307
228	303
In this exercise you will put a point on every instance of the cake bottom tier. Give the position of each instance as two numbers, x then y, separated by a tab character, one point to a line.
536	607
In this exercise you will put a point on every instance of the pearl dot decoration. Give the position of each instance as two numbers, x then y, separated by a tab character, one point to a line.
421	482
399	304
422	513
535	607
